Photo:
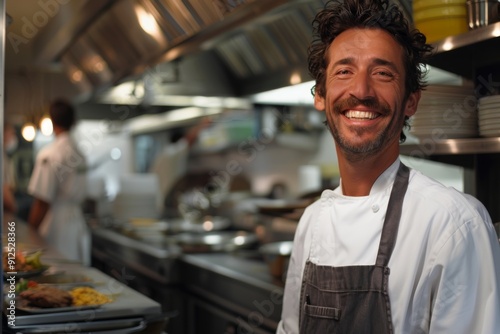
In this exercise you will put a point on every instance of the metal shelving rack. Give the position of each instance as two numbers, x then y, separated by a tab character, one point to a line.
473	55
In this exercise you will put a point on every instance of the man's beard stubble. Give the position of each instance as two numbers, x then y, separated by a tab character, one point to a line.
364	150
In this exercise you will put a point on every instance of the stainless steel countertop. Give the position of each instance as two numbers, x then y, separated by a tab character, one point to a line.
125	297
238	281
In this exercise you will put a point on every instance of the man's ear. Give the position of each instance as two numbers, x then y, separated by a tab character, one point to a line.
412	103
319	102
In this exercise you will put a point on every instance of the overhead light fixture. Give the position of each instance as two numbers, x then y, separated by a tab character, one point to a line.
295	79
46	126
29	132
147	21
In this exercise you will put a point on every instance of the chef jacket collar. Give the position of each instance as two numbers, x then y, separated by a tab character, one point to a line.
382	184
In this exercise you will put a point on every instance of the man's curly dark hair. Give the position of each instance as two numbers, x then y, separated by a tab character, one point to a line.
62	113
338	16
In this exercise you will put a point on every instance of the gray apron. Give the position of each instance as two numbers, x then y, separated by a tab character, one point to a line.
354	299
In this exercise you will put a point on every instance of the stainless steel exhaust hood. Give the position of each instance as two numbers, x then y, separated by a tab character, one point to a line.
168	51
195	47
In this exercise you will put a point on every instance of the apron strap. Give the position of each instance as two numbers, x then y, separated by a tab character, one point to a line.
393	215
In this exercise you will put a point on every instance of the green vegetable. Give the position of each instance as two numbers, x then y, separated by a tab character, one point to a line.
34	260
21	285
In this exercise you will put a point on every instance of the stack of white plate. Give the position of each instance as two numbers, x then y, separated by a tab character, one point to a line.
489	116
446	112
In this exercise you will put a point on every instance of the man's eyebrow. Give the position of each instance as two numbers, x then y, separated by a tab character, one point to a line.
376	61
380	61
344	61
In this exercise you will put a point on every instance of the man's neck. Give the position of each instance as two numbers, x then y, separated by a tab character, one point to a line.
358	177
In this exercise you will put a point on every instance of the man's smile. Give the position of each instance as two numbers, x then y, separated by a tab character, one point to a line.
360	115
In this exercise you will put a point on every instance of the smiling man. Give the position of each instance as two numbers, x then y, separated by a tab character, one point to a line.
390	250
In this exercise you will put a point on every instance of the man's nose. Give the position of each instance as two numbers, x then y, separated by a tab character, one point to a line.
362	86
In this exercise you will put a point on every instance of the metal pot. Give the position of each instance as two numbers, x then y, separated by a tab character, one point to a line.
481	13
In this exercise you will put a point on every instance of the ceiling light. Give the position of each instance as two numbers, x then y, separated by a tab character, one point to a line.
46	126
295	79
147	21
28	132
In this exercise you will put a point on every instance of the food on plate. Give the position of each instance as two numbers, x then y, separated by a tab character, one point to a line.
85	295
24	284
47	297
21	262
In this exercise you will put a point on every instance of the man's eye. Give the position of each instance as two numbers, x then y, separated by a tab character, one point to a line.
343	72
385	74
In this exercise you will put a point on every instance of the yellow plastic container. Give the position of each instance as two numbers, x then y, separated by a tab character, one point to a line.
439	22
422	4
440	28
440	12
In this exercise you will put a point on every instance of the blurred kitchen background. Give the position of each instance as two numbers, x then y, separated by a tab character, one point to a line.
139	70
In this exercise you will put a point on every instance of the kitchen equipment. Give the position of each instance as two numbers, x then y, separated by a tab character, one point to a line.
277	256
481	13
440	19
138	196
197	203
148	229
309	178
489	112
446	112
114	317
214	241
64	278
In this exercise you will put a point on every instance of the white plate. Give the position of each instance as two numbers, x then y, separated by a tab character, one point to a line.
490	133
491	127
448	89
489	99
489	112
446	122
450	126
444	136
449	134
486	121
492	104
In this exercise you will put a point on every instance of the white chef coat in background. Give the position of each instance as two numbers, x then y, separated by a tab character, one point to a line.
445	267
59	179
171	165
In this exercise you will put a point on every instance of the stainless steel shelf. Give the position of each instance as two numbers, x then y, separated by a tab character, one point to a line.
463	54
430	147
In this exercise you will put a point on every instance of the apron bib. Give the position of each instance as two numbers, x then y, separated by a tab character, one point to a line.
354	299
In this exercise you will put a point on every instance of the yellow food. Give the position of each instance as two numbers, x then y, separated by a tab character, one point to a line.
88	296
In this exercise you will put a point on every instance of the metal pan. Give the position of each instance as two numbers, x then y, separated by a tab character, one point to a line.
176	226
214	241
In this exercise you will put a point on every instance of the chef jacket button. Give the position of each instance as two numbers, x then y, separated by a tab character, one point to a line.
375	208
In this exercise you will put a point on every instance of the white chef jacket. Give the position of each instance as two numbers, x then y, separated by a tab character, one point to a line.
59	179
445	267
171	165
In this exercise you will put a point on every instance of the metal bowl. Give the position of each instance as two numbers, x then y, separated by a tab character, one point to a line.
277	256
214	241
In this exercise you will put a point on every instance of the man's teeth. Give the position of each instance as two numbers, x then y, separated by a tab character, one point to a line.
360	114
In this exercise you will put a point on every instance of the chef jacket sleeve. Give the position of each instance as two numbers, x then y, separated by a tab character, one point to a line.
467	276
43	182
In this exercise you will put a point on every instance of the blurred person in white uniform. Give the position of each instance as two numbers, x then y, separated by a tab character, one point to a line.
58	187
8	178
171	163
390	250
